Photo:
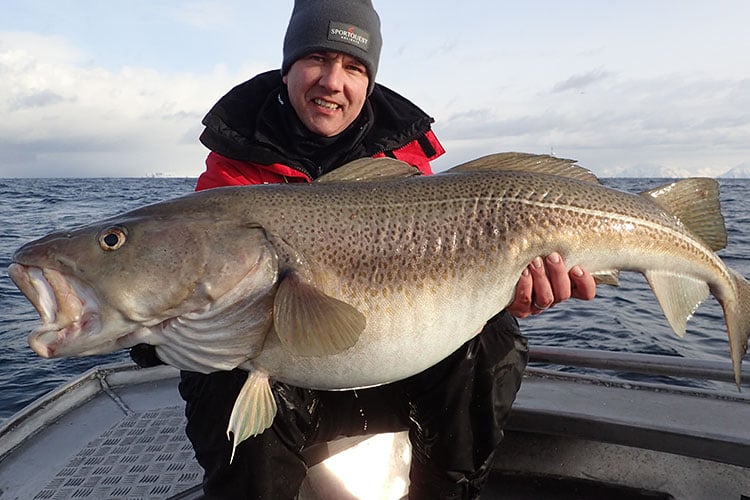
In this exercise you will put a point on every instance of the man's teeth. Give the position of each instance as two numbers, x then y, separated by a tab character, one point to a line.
326	104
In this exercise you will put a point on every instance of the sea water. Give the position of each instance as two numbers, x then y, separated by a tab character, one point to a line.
627	318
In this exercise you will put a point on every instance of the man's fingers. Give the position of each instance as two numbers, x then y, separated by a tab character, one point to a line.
543	296
584	286
558	278
546	282
521	305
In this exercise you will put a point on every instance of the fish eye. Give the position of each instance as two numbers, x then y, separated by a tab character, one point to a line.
112	238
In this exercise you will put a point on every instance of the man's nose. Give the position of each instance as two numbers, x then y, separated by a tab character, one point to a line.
333	77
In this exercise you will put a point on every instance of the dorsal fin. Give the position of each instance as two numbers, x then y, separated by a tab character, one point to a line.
695	202
370	169
527	162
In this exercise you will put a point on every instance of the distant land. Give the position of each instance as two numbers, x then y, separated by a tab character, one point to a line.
741	171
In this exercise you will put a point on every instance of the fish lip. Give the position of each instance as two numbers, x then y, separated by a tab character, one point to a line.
65	305
46	342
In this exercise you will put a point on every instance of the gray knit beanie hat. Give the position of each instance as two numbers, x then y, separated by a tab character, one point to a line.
348	26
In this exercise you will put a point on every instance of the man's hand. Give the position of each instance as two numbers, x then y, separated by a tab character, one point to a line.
546	282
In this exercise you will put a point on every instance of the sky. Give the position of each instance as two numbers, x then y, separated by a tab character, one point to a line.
99	88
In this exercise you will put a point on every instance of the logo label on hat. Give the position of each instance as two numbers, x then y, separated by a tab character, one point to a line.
346	33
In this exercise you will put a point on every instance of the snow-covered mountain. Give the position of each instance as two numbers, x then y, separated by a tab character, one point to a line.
644	170
741	171
653	170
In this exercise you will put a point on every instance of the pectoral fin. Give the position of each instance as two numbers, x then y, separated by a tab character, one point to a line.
311	323
679	296
253	411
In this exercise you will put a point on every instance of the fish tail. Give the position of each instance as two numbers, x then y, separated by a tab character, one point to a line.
253	411
738	324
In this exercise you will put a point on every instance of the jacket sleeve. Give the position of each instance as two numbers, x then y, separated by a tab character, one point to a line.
222	171
418	153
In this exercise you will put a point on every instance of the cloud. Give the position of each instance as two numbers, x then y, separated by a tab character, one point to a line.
65	117
17	47
680	122
580	82
38	99
131	103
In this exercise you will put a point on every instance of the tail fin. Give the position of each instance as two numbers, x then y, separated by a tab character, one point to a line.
738	324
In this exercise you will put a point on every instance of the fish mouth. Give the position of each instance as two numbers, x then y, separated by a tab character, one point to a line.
67	308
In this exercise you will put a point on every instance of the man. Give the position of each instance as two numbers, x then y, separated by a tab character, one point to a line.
322	110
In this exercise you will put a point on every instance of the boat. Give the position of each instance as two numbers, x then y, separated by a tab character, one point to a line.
580	428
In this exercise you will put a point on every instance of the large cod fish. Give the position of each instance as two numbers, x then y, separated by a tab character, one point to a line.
367	276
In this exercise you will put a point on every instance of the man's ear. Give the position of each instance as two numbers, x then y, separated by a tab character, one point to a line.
285	78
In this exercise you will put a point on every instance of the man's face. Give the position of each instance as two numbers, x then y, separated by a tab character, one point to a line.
327	90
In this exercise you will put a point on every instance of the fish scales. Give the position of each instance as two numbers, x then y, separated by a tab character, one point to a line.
345	284
413	244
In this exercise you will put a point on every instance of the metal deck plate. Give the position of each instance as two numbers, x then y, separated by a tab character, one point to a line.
144	456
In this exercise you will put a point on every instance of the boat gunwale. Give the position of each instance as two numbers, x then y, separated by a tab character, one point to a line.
101	379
